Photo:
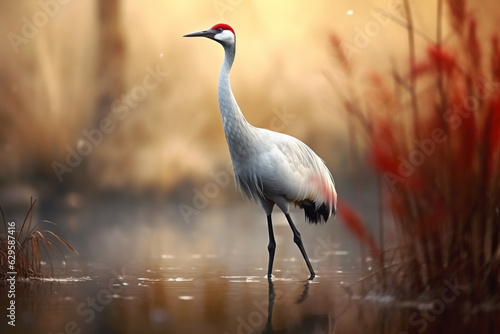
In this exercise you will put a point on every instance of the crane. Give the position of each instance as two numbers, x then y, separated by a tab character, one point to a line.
271	168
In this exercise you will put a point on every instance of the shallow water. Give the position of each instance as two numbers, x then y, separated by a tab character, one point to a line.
190	300
141	269
194	298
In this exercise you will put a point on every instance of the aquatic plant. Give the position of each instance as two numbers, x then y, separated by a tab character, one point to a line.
22	247
433	136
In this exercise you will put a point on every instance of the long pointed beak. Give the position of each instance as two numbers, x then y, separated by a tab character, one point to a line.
205	33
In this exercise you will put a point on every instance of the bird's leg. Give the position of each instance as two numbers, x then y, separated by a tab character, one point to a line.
271	247
298	240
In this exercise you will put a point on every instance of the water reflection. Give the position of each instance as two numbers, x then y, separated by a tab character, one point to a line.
188	300
142	272
309	323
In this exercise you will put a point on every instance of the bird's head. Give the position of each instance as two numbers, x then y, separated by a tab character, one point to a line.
220	32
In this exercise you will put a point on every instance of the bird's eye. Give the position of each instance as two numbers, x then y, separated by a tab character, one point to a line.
220	30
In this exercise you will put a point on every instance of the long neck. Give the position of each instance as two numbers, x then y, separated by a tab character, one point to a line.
236	128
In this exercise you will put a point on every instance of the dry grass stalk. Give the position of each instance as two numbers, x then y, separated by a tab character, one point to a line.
30	242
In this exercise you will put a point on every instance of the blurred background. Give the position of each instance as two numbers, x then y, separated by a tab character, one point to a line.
68	66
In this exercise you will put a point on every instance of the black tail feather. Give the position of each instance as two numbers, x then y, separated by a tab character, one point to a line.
315	215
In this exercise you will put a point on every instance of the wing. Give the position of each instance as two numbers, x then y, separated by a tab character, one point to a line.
289	168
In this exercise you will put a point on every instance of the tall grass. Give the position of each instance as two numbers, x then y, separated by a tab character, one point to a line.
433	135
30	243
